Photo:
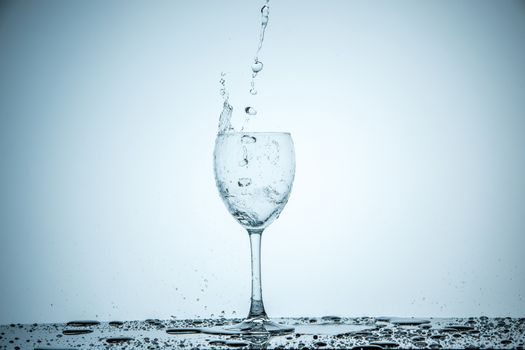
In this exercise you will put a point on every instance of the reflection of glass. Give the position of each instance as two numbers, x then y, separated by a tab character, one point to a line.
254	173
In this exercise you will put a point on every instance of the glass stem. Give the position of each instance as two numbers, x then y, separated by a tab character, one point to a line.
257	306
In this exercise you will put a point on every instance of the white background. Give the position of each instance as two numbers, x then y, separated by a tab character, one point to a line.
408	121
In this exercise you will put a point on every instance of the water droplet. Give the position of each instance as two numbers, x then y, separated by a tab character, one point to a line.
236	343
118	340
175	331
250	111
244	182
461	328
437	337
408	321
329	318
154	322
83	323
217	342
257	66
76	331
383	319
253	91
265	10
385	344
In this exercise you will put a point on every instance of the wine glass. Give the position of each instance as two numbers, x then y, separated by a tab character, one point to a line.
254	173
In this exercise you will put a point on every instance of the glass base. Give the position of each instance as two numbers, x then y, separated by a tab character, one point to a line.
253	327
257	326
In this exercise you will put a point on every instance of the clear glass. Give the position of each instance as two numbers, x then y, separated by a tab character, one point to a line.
254	173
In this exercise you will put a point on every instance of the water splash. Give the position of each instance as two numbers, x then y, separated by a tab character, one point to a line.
225	124
257	65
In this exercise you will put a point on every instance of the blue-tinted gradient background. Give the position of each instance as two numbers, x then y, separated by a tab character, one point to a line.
409	124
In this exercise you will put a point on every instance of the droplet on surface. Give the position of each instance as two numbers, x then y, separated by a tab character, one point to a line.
176	331
331	318
76	331
461	328
217	342
362	332
154	322
409	321
118	340
386	344
236	343
83	323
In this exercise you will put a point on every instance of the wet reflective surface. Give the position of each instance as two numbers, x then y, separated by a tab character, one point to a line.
314	333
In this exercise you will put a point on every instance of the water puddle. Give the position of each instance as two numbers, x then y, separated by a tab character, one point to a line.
327	332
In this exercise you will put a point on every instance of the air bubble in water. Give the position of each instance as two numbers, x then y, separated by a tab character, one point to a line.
272	194
244	182
248	139
244	160
250	111
257	66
